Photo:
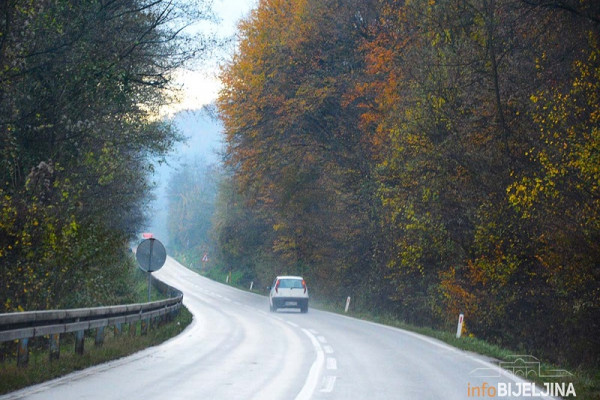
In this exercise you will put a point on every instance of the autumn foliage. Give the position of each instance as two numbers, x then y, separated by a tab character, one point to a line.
427	158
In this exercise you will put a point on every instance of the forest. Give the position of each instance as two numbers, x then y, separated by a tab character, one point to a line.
81	87
426	157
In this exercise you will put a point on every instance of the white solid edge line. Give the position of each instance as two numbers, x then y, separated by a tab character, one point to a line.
312	379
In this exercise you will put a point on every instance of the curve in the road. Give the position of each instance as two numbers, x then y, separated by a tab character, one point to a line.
235	349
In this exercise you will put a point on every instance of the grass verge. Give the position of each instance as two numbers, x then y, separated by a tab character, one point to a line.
586	381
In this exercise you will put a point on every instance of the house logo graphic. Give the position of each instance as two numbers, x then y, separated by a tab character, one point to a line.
524	366
525	369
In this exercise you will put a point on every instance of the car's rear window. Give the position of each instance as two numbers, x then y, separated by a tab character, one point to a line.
290	284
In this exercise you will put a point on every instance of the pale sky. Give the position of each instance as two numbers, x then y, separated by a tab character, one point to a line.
201	86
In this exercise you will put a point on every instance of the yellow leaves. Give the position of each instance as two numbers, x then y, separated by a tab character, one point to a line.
284	244
8	212
524	195
569	167
437	102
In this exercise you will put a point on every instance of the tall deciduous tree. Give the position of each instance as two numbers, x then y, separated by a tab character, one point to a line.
293	136
192	195
80	86
439	155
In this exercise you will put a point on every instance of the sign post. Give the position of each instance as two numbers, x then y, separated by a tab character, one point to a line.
151	256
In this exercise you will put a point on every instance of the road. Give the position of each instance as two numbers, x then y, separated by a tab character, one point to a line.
236	349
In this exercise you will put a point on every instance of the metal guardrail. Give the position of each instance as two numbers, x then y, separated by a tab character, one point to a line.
23	326
32	324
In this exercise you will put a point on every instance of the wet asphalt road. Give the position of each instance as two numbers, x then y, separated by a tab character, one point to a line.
236	349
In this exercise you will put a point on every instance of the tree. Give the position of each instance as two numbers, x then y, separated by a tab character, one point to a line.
192	195
80	85
440	155
293	138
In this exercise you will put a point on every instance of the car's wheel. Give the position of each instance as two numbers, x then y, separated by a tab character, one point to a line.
304	308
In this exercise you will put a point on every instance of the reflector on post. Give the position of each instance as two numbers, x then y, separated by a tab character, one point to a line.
461	318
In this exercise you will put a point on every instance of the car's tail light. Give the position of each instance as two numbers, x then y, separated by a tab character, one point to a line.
277	286
304	286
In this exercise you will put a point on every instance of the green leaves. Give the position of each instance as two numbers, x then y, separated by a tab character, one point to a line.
80	85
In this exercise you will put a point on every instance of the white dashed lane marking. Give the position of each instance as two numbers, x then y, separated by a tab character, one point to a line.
328	384
331	363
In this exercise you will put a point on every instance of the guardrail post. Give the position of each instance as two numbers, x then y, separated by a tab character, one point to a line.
144	327
99	336
79	342
54	346
23	353
132	328
118	329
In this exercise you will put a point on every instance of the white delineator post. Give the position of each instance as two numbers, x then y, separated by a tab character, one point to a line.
251	285
347	304
461	318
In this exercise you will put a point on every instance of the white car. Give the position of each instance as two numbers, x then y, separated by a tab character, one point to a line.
288	292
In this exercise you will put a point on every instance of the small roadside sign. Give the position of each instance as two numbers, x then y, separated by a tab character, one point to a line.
205	258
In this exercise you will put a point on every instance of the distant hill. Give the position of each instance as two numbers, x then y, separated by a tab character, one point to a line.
204	141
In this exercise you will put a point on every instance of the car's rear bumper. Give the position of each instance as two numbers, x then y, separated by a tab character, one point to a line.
290	302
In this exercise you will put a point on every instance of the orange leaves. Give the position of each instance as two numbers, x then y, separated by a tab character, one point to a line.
426	145
456	298
290	119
